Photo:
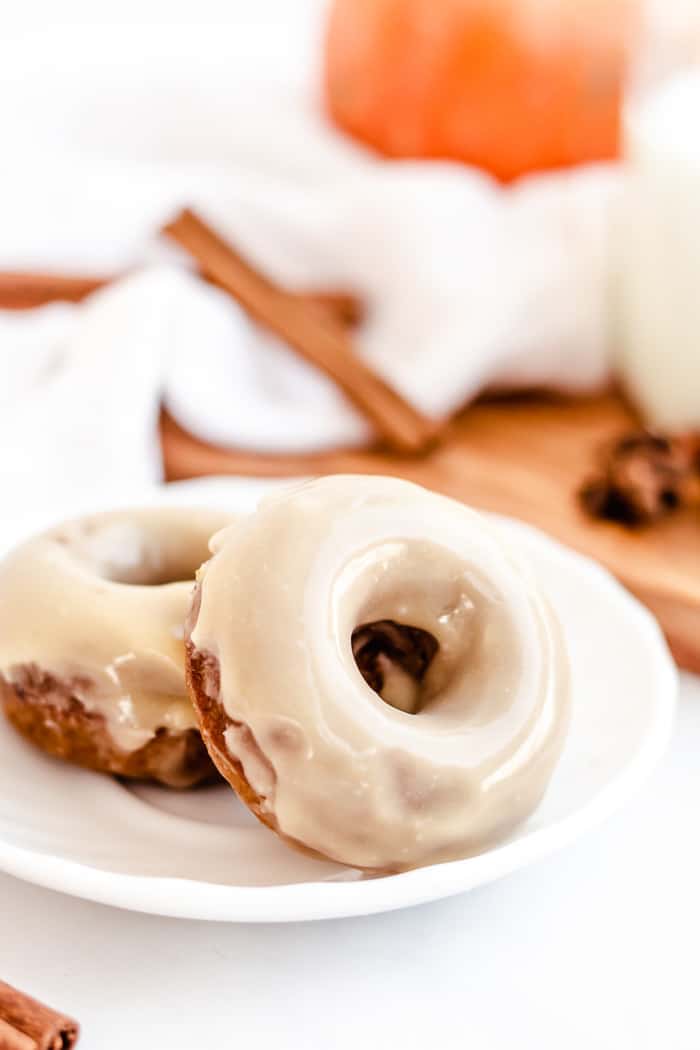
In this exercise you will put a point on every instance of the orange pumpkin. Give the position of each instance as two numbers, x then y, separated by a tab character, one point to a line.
512	86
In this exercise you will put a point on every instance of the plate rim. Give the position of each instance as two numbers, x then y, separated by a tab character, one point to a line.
191	899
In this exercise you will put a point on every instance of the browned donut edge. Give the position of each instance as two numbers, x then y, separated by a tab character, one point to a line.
204	684
203	681
46	712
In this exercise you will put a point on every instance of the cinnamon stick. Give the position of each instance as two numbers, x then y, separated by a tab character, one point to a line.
316	336
21	291
24	290
27	1024
346	308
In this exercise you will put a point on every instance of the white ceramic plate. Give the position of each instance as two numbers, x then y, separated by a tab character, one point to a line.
200	855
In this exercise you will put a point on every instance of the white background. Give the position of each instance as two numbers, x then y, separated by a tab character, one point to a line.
596	947
33	15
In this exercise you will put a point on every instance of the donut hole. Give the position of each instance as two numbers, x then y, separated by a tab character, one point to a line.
127	552
423	629
137	548
159	573
394	658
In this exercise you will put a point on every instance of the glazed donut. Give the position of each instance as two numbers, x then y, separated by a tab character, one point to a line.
375	674
91	642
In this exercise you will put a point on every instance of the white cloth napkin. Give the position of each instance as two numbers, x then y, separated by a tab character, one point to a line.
467	285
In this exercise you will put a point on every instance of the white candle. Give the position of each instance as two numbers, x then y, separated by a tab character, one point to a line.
658	288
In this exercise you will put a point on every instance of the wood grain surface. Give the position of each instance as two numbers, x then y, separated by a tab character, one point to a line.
525	457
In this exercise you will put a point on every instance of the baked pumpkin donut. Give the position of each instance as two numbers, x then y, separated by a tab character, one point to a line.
375	674
91	642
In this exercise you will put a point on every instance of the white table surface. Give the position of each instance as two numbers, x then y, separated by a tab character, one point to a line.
593	948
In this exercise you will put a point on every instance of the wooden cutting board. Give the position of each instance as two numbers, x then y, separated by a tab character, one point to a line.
525	457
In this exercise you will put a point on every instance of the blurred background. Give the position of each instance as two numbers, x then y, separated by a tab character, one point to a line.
456	240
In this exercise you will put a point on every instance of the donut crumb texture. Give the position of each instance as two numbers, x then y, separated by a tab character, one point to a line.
46	711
